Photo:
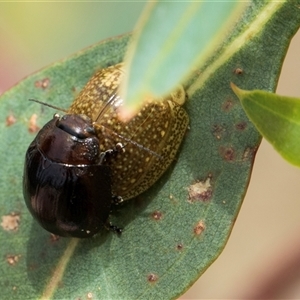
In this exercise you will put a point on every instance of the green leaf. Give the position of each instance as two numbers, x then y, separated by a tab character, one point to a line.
171	40
277	118
198	198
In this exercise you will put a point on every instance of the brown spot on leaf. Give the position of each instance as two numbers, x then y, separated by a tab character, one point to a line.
227	153
12	259
200	191
241	126
179	247
217	131
32	126
54	238
152	277
238	71
10	120
249	153
227	105
11	222
157	215
199	228
43	83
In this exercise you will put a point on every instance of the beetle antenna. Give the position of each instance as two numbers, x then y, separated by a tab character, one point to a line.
49	105
129	141
115	97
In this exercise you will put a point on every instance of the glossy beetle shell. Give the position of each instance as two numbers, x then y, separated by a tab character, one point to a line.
65	185
159	126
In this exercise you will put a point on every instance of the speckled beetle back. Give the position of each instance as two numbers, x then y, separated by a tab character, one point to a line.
159	126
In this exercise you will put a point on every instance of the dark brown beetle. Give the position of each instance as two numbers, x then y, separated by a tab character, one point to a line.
66	186
74	169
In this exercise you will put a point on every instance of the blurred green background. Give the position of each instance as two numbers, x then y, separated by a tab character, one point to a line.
33	35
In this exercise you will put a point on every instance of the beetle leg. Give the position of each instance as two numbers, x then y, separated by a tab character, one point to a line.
119	148
116	200
107	154
113	228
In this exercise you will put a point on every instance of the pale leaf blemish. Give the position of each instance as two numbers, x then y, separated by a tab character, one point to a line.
12	259
11	222
32	125
238	71
43	83
173	199
249	153
199	227
10	119
200	191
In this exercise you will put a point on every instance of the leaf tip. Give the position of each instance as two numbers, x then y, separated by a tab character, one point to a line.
235	89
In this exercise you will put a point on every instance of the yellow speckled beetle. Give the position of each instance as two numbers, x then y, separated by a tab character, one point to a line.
159	126
81	164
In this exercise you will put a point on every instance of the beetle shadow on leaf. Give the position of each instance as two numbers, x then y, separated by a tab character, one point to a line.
44	250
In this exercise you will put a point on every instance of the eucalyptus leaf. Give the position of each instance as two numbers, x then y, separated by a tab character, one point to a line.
277	118
175	230
171	40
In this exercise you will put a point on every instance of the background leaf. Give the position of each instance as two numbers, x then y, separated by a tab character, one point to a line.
153	258
188	33
277	118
